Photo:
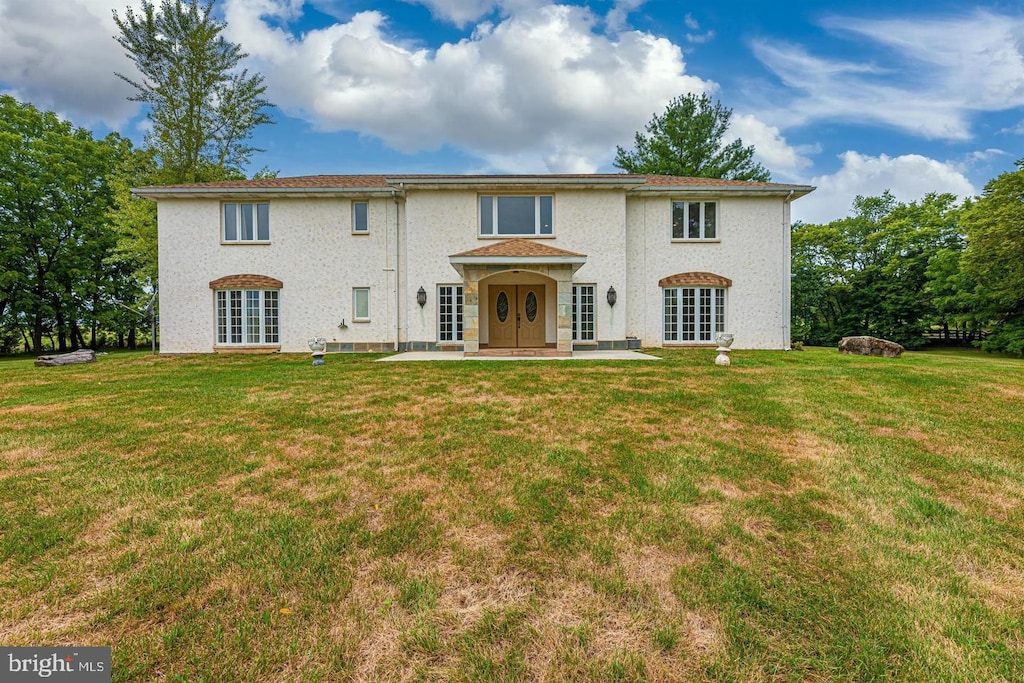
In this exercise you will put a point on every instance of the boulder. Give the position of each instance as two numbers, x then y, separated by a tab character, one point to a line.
79	356
870	346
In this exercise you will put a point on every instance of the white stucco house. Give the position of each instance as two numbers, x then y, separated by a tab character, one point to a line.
485	264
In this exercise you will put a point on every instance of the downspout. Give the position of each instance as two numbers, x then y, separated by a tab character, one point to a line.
398	262
787	284
388	270
643	283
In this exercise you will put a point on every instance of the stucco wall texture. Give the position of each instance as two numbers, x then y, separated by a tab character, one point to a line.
314	253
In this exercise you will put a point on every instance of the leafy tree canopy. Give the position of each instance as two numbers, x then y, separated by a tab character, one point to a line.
687	141
995	258
885	271
203	108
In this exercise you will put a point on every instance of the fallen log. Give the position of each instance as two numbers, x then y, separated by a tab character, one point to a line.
79	356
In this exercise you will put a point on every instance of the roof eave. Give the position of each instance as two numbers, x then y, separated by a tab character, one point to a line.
242	192
509	260
626	182
791	191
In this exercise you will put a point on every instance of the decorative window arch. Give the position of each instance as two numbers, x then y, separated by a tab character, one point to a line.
246	281
695	279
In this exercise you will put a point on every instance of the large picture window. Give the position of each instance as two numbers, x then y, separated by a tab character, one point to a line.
449	313
247	316
583	328
517	215
246	222
693	314
693	220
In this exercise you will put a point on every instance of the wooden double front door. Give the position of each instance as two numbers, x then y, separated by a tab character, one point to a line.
516	314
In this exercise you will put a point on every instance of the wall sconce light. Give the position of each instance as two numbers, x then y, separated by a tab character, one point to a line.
612	296
421	297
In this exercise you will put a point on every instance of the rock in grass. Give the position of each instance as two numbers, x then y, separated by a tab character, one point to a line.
79	356
870	346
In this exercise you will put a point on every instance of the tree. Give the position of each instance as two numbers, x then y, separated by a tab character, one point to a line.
687	141
202	108
54	198
994	258
875	272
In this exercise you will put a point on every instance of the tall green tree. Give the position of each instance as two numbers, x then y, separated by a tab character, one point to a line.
54	198
686	140
994	258
202	107
872	273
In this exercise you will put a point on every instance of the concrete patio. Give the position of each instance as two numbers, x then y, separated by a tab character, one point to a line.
457	355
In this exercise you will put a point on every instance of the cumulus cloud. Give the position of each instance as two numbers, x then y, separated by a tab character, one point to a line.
942	70
618	15
770	147
61	55
541	89
910	177
459	12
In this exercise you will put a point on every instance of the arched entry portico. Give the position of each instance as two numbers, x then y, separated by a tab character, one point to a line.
520	292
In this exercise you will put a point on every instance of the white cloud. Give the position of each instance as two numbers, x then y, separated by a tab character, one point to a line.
697	38
771	149
942	71
61	55
910	177
1018	129
618	16
459	12
540	90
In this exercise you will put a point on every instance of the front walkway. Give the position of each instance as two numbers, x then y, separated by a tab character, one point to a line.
576	355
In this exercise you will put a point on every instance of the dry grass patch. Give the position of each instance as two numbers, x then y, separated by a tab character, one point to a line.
791	517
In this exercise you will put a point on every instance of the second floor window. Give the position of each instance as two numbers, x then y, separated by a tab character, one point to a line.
694	220
361	217
517	215
245	222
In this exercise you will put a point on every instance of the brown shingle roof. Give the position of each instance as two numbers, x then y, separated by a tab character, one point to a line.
381	181
297	183
684	181
246	281
695	279
517	247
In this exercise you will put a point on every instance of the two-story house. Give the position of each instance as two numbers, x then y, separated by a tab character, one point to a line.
477	263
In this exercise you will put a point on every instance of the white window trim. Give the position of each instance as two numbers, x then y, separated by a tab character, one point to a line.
355	305
718	294
238	223
243	326
354	224
703	205
458	321
494	217
575	313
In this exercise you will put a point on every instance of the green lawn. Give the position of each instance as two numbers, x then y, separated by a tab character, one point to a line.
798	516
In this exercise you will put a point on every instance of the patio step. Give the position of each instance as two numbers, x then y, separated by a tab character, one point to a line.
522	353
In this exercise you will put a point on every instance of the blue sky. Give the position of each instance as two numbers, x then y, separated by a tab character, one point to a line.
913	97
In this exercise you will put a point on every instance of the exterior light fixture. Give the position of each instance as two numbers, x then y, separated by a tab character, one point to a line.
421	297
612	296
